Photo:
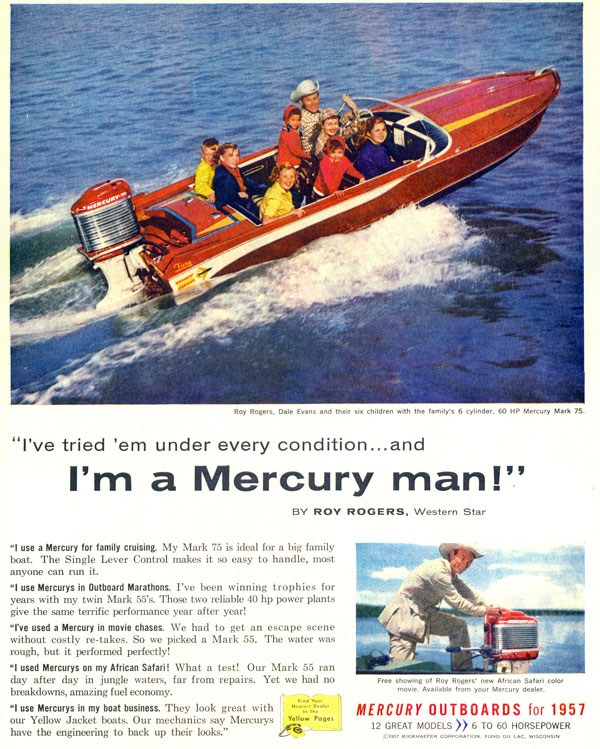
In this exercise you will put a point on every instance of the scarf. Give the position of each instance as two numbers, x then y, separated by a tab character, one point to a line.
238	177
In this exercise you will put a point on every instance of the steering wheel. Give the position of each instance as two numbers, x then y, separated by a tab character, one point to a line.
362	113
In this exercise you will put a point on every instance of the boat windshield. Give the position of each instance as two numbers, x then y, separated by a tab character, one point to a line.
411	135
416	137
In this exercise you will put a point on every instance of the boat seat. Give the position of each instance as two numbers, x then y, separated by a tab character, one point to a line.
241	211
260	170
404	145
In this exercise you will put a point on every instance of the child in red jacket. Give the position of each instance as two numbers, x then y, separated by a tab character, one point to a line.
290	145
332	169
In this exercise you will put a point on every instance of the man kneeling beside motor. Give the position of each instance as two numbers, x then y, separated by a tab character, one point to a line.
412	614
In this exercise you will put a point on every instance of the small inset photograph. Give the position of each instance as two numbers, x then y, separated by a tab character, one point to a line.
464	607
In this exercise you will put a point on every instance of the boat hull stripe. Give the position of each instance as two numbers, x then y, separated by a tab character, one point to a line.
480	115
436	96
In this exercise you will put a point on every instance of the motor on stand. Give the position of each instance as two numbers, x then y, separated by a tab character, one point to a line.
510	642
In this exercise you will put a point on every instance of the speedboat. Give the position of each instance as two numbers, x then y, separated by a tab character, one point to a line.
175	241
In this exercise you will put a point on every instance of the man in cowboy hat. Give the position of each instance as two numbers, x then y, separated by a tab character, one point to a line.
412	614
307	94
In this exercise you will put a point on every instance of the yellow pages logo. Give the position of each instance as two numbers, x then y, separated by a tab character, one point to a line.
301	713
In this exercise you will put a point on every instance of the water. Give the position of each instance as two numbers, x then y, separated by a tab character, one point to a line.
477	298
561	637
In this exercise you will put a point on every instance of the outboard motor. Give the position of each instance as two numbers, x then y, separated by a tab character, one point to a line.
105	220
111	238
511	641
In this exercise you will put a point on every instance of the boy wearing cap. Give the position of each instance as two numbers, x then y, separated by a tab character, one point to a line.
290	146
412	614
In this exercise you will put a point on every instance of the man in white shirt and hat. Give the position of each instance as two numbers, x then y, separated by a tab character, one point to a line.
307	94
412	614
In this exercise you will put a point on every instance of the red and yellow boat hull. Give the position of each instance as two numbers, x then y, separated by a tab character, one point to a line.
190	246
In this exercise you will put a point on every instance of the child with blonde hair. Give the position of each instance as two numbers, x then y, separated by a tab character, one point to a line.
277	201
205	172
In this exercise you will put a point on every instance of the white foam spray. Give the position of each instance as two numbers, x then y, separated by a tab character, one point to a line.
415	247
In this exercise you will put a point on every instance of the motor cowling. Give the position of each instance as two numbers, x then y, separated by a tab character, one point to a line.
511	636
105	220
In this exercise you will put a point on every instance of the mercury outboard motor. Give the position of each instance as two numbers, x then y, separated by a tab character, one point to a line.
511	641
105	220
111	238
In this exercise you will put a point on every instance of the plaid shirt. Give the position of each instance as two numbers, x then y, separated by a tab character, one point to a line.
310	126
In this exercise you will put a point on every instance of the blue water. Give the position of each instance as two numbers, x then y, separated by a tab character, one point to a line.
477	298
561	637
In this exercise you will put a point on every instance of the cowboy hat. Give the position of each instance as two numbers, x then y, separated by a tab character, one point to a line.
445	550
304	88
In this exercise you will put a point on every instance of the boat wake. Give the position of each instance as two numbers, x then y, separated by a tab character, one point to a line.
53	297
415	247
42	219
